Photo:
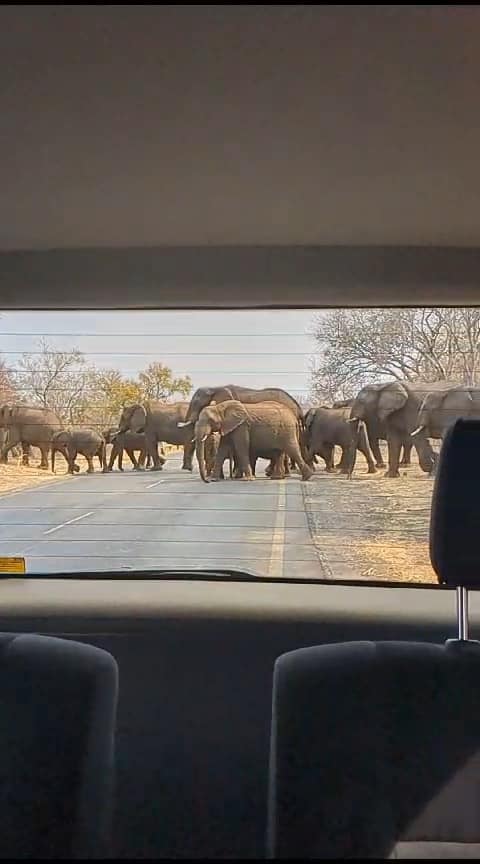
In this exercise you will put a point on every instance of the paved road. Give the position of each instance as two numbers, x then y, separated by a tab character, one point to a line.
168	519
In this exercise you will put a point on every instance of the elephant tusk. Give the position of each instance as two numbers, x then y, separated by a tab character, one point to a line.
186	423
417	431
352	420
204	438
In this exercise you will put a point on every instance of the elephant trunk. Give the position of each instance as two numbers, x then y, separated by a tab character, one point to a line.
200	451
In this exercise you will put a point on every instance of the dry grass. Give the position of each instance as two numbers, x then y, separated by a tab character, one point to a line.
396	561
16	476
372	527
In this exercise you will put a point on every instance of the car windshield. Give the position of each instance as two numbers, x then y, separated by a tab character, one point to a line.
295	444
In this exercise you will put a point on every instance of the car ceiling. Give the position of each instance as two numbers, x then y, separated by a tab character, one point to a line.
129	125
215	156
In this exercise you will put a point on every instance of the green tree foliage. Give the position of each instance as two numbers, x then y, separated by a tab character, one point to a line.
157	383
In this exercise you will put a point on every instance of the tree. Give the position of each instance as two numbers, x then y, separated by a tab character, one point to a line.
359	346
108	392
7	391
157	383
53	379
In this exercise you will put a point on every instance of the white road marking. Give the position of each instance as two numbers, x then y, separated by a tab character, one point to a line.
275	565
152	485
70	522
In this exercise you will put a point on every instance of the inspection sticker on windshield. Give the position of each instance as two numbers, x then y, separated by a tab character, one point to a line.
12	565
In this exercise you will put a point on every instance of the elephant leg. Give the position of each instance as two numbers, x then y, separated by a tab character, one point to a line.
288	465
44	450
377	453
152	450
25	454
120	459
241	444
293	451
326	451
269	468
278	472
220	456
133	459
102	457
368	456
141	460
188	451
406	458
90	469
113	455
394	447
70	456
343	464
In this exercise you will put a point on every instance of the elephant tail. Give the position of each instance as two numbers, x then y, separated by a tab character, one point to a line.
54	450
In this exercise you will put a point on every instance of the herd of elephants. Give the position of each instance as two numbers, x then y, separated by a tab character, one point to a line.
241	424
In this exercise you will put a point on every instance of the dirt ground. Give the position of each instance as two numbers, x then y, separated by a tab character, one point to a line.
15	476
371	527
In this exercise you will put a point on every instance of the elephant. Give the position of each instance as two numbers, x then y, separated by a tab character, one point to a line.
327	427
161	422
29	425
248	395
70	442
440	409
131	442
393	408
265	430
376	431
206	395
25	450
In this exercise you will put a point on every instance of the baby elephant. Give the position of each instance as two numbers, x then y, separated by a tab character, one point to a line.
87	442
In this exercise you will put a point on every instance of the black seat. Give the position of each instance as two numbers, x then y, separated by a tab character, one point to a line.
376	746
57	721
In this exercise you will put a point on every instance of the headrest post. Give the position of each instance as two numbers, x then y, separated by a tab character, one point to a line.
462	613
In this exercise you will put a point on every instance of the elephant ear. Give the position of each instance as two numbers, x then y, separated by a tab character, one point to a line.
233	416
223	394
138	418
392	398
432	401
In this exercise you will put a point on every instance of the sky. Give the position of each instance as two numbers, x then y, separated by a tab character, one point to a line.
256	348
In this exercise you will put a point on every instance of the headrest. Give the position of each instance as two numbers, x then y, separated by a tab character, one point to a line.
455	511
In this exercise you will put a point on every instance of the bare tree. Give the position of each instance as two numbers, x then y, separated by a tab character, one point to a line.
358	346
53	379
7	390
